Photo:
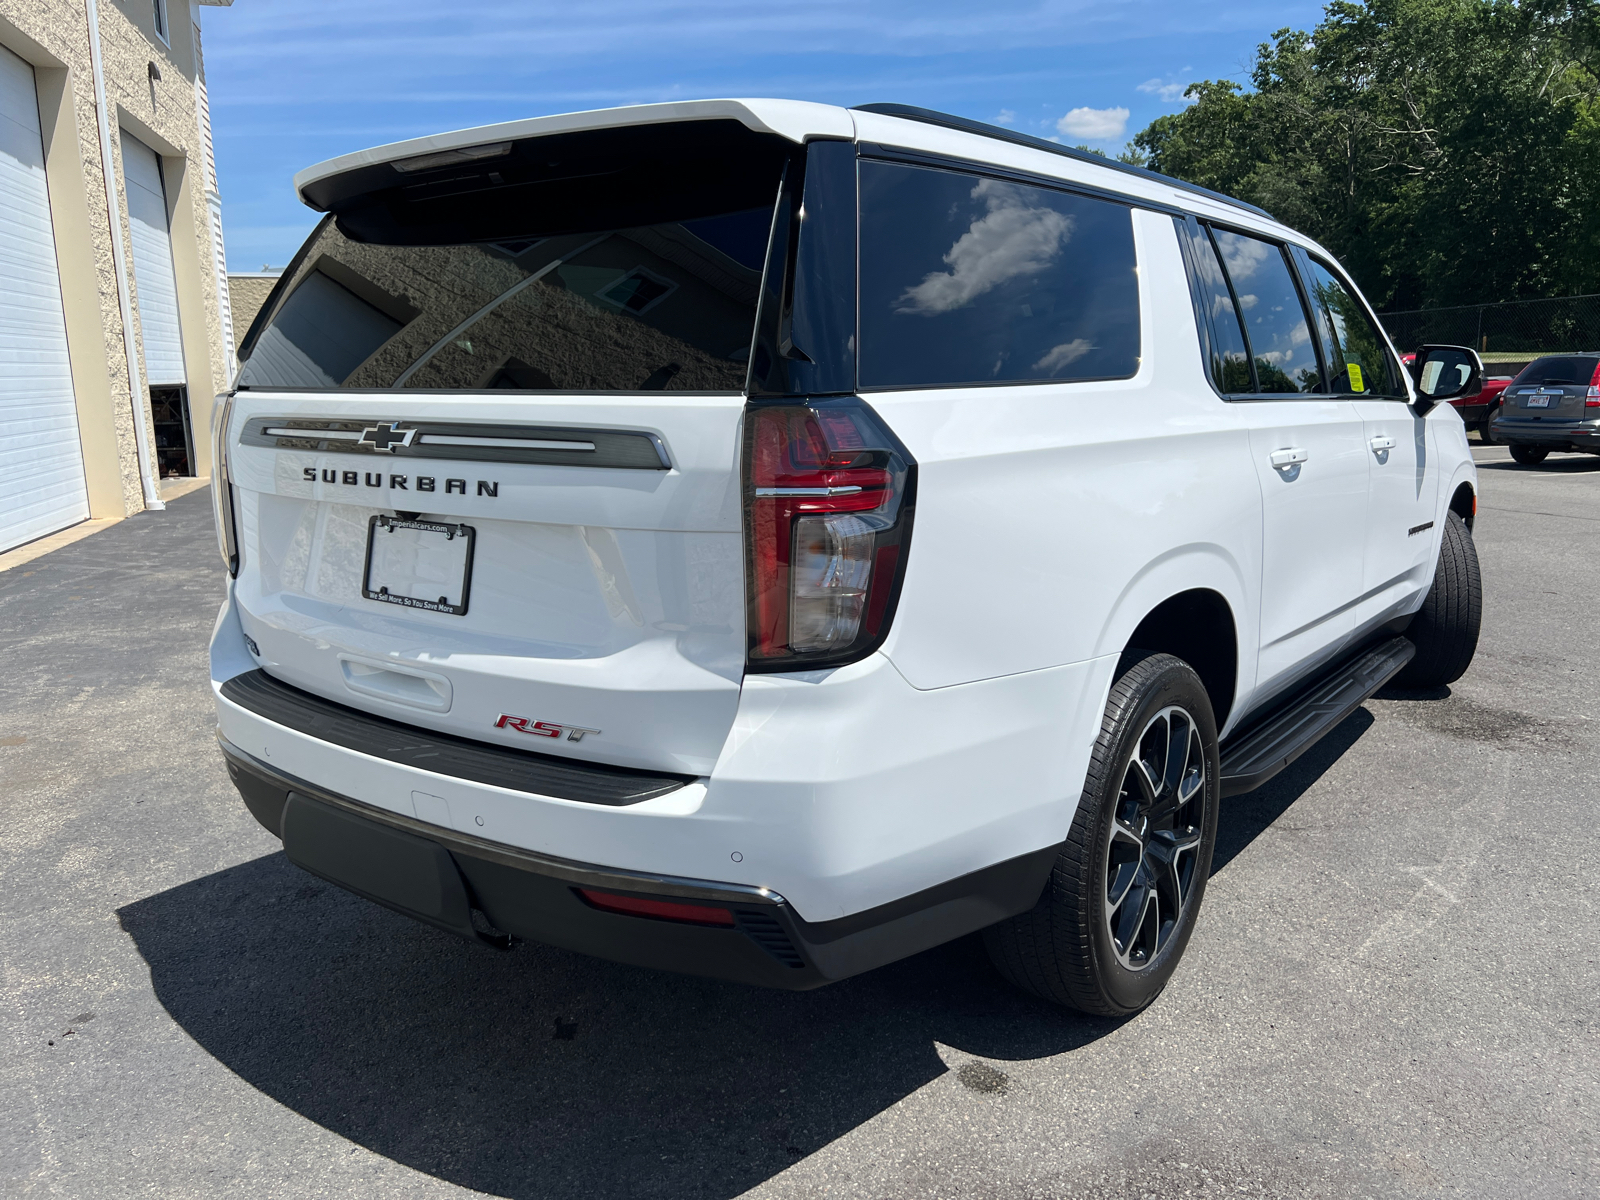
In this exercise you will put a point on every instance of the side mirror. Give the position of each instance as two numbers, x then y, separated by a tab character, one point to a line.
1445	372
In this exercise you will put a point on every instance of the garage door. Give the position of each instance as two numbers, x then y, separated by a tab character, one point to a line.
41	463
152	264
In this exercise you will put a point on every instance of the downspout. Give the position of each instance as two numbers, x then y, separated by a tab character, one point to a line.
141	438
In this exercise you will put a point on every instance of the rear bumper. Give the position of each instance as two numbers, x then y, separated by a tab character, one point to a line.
1579	436
439	876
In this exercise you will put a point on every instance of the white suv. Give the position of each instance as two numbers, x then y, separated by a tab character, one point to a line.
766	540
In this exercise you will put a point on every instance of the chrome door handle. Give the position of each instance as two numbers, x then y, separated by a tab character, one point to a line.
1292	456
1380	444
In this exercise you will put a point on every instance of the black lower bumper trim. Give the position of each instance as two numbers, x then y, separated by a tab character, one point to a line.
416	868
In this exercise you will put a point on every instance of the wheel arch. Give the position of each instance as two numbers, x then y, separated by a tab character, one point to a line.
1464	502
1192	601
1198	626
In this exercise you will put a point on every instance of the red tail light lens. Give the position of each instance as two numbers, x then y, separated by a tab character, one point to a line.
1592	400
827	520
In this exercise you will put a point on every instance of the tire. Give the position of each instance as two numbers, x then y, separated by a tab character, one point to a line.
1484	435
1529	456
1064	949
1445	629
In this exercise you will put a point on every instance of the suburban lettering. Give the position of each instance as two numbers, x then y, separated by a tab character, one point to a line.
350	478
329	476
397	481
485	488
310	474
455	485
374	478
424	483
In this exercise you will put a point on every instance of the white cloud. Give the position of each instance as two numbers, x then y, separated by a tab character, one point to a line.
1009	240
1006	117
1062	355
1165	90
1095	123
1244	256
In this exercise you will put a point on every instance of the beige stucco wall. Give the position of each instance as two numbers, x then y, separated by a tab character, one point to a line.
53	35
249	292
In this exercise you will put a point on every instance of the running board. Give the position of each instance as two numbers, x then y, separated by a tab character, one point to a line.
1255	756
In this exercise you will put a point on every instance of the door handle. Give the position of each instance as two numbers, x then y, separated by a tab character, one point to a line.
1291	456
1380	444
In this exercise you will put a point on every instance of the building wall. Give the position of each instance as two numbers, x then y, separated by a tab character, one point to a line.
249	291
164	113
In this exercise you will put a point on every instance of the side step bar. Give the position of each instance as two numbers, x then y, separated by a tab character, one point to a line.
1251	758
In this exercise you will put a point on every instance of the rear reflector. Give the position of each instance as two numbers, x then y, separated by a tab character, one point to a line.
661	910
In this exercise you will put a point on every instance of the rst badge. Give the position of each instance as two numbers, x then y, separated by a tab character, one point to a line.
545	729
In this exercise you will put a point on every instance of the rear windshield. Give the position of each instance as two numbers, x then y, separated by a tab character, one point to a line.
665	306
1560	368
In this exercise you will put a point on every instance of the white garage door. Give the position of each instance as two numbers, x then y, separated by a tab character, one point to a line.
41	463
152	264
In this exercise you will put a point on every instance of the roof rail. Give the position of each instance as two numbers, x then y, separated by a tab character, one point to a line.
929	116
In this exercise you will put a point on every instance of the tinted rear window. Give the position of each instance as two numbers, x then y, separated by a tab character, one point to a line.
670	305
1560	368
966	280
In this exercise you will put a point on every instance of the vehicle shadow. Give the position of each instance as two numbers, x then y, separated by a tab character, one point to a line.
1560	463
542	1073
1245	818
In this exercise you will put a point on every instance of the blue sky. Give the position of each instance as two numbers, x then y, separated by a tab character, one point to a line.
293	82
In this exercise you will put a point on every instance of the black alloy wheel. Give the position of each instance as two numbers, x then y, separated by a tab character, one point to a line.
1155	839
1111	925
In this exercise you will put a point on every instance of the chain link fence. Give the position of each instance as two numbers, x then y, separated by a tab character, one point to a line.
1515	332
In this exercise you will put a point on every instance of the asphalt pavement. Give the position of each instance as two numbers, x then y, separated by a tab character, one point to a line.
1392	991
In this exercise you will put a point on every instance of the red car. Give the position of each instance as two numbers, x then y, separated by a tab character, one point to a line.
1476	410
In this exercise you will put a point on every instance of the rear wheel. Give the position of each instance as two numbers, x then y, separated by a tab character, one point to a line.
1445	630
1117	913
1484	435
1529	456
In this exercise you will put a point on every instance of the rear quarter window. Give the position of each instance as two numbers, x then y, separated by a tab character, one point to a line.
971	280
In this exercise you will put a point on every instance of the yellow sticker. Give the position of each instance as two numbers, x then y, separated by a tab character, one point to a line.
1355	377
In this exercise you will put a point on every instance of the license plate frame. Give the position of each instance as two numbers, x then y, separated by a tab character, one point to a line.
448	556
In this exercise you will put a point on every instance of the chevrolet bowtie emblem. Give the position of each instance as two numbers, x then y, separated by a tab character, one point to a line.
386	437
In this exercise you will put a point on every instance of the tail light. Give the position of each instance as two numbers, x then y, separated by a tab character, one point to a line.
828	503
1592	400
221	488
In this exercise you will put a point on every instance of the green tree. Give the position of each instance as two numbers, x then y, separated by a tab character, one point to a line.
1445	150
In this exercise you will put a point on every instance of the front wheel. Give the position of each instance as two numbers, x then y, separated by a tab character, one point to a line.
1445	629
1107	934
1529	456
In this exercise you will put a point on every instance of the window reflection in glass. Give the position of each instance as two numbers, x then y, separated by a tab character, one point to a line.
1280	339
1358	362
1230	358
659	306
967	280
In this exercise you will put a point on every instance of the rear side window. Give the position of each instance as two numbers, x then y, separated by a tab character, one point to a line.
664	306
1281	348
968	280
1560	368
1229	356
1358	361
